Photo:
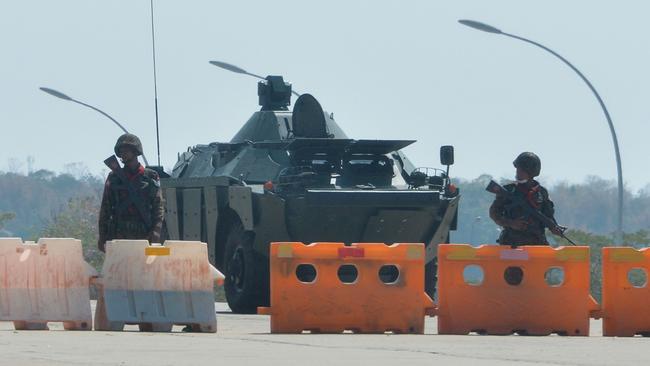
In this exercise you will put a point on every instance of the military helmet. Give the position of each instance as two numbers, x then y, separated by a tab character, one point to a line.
128	139
528	162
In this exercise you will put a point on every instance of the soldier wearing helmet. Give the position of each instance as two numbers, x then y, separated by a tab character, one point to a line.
132	204
519	228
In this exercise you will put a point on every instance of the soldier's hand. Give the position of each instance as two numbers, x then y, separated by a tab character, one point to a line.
518	224
558	230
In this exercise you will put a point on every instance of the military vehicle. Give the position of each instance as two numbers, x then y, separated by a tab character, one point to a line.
296	176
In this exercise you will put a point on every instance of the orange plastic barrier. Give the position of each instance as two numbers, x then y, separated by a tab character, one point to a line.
626	295
536	290
314	288
44	282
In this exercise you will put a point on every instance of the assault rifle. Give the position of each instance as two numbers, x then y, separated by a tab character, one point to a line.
520	201
134	196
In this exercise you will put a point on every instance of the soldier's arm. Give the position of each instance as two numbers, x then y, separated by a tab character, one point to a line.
497	215
496	211
548	207
157	213
104	216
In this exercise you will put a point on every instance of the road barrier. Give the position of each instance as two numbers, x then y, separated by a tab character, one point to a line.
330	288
536	290
157	286
44	282
626	295
363	288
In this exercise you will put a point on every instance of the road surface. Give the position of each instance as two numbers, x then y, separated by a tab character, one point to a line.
245	340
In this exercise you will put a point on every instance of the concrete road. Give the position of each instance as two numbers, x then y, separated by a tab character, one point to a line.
245	340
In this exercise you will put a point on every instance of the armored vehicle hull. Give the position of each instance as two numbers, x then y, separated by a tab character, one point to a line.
297	177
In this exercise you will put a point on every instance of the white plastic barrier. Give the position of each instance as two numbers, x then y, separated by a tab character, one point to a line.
157	286
44	282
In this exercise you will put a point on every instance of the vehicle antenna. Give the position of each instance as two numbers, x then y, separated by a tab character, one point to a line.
155	84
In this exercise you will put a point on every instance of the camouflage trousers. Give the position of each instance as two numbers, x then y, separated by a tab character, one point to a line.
129	229
518	238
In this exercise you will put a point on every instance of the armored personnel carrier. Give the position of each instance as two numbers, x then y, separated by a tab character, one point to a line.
296	176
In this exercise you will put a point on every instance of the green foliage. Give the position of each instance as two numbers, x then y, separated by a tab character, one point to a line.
474	223
78	220
44	203
593	206
596	243
4	217
590	207
37	197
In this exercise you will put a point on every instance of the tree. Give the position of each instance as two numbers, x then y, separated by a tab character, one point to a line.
78	220
474	223
36	198
4	217
589	207
596	243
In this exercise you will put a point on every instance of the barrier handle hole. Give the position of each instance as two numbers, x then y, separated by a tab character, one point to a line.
473	275
348	273
388	274
637	277
306	273
554	276
513	276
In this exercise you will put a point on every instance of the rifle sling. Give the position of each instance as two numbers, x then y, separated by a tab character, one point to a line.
133	196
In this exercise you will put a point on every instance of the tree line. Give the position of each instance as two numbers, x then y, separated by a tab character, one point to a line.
47	204
30	203
590	207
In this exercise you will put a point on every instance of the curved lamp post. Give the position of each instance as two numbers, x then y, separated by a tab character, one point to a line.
60	95
239	70
618	238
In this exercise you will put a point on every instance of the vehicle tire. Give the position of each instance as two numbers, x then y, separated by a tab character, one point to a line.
246	271
431	275
431	278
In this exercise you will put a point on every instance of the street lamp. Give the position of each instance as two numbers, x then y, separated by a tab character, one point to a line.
60	95
618	237
239	70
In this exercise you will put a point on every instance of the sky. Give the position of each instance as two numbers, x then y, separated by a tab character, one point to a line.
386	69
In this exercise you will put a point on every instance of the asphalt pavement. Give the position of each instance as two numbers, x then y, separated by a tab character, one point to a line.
245	340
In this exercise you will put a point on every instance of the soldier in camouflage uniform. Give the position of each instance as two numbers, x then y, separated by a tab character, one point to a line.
518	228
119	216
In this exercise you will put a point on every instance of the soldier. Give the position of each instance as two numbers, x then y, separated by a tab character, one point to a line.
519	228
132	205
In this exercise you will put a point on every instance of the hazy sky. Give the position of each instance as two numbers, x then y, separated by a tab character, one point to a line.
387	69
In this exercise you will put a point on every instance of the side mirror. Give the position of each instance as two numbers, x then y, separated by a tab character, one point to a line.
447	155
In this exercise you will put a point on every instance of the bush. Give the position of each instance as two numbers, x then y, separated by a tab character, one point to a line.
596	243
78	220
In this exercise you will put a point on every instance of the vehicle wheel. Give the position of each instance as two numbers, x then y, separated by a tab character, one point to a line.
431	278
247	274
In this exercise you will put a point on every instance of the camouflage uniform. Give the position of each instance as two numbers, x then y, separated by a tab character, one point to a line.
534	234
119	218
536	196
